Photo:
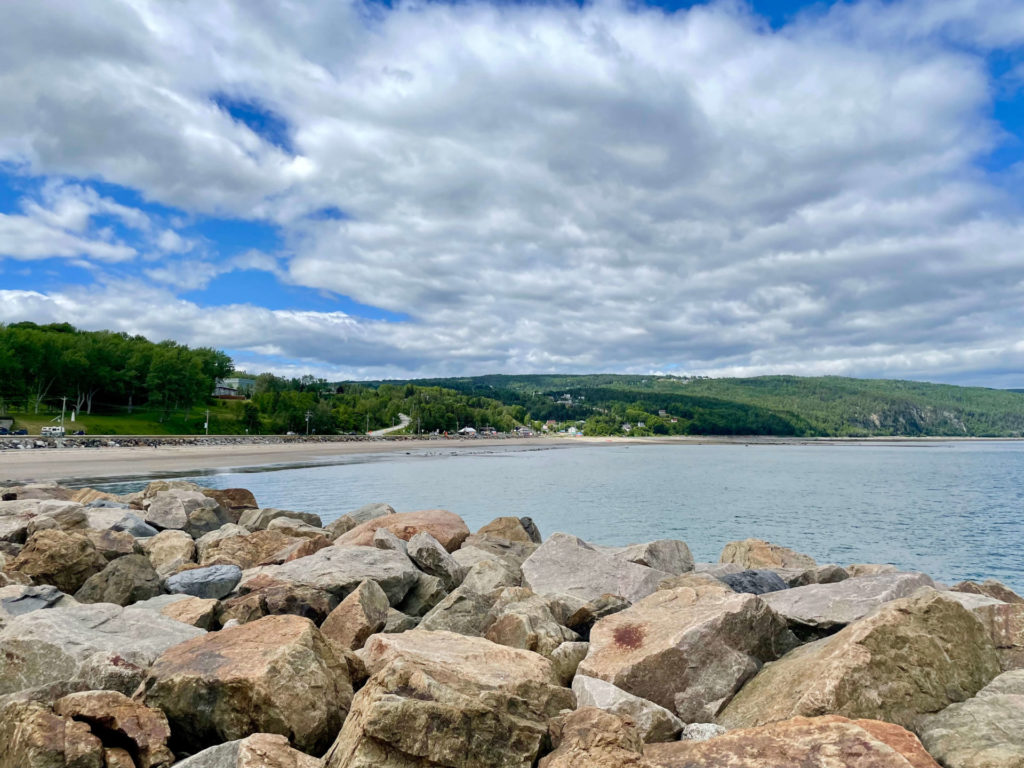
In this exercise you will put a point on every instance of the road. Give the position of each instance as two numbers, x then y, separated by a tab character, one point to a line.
401	418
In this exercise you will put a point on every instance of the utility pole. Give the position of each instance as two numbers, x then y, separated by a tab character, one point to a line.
309	415
367	423
207	424
63	405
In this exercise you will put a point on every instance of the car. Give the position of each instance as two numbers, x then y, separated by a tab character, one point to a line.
20	432
78	432
4	431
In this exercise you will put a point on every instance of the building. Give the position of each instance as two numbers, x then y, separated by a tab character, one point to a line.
244	385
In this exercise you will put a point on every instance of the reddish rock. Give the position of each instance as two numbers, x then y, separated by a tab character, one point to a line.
361	614
234	500
507	528
447	527
121	721
989	588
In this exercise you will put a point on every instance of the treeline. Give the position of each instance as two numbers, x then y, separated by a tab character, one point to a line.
41	363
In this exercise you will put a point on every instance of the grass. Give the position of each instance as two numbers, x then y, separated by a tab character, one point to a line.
142	421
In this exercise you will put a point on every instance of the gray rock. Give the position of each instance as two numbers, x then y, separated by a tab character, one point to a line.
17	600
531	529
259	519
819	574
398	622
754	582
489	575
427	592
106	504
213	581
224	532
166	510
668	555
260	750
701	731
67	516
385	539
476	548
131	523
371	512
432	558
718	570
463	611
984	732
570	567
207	516
337	527
291	526
520	618
124	581
654	722
566	658
828	606
101	646
339	570
169	550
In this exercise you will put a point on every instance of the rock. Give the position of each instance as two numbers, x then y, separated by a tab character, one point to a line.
261	547
1004	622
226	531
507	528
335	528
687	649
436	698
261	750
266	596
259	519
582	619
115	757
819	574
129	522
654	723
489	575
17	600
566	658
702	579
818	742
90	495
531	529
65	516
521	619
214	581
700	731
858	570
166	510
716	570
398	622
991	588
101	646
124	581
433	559
757	553
511	554
463	611
909	657
984	732
116	718
302	547
34	737
825	607
274	675
754	582
234	500
363	613
158	486
168	551
64	560
668	555
595	738
446	527
370	512
111	544
290	526
206	516
426	593
194	611
385	539
567	566
339	570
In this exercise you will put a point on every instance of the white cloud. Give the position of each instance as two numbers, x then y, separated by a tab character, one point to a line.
544	186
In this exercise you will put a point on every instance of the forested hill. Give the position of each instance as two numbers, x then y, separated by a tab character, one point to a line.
773	405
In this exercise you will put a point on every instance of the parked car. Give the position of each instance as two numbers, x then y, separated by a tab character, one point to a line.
52	432
20	432
4	431
79	432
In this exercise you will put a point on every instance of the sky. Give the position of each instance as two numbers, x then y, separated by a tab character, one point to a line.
411	189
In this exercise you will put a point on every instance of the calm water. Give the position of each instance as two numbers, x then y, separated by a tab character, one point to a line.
953	510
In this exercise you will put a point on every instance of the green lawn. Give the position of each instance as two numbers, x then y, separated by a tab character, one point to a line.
142	421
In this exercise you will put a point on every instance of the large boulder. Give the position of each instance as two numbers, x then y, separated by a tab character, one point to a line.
102	646
169	551
909	657
595	738
687	649
489	575
447	527
757	553
654	722
206	516
118	720
19	599
124	581
274	675
668	555
259	519
295	528
234	500
266	596
1004	622
984	732
990	588
509	529
440	699
65	560
754	582
431	558
370	512
166	509
260	548
424	595
261	750
363	613
825	607
226	531
194	611
819	742
511	554
568	567
112	544
339	570
212	582
463	611
32	736
521	619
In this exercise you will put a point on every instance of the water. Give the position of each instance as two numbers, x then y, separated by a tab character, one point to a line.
953	510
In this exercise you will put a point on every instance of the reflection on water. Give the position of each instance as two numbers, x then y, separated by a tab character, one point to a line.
953	510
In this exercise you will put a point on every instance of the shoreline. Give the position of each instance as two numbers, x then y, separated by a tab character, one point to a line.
203	455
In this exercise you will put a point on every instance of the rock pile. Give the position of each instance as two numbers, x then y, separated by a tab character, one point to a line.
185	626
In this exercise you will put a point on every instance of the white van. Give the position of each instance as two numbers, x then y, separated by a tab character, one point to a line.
52	432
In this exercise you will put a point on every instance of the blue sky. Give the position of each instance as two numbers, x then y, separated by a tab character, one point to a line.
421	189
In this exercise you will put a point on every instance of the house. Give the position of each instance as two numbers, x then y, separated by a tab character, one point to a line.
524	431
244	385
627	427
662	412
227	393
467	431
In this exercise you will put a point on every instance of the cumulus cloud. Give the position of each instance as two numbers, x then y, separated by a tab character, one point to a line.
544	187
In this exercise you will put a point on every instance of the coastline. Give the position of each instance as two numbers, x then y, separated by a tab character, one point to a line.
72	463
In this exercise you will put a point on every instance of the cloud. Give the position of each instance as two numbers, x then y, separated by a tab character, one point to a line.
541	187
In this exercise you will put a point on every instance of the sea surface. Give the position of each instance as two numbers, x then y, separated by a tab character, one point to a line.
954	510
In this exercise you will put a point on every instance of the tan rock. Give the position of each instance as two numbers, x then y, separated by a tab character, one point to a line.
169	550
194	611
511	554
142	730
266	596
111	544
361	614
521	619
1004	622
595	738
234	500
115	757
819	742
248	551
56	557
291	526
261	750
757	553
259	519
85	495
507	528
341	525
654	723
687	649
275	675
304	547
909	657
124	581
857	570
441	699
990	588
448	528
31	736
